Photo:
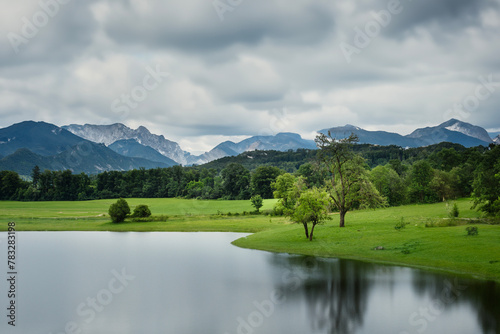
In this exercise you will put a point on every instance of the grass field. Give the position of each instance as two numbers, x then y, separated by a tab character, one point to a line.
98	208
438	248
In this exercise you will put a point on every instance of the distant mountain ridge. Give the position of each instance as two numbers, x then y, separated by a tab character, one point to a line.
41	138
381	138
283	141
453	131
131	148
111	134
108	134
117	147
27	144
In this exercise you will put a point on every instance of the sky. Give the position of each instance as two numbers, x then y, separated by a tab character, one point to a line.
201	72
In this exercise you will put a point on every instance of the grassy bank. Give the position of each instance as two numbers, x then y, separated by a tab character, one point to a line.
439	248
183	215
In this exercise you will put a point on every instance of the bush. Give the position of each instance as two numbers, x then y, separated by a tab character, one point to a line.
401	225
454	211
119	210
257	202
269	212
141	211
444	222
161	218
472	230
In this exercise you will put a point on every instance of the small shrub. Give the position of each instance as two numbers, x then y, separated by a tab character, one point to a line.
141	211
161	218
119	210
278	211
269	212
454	211
401	225
443	222
472	230
257	202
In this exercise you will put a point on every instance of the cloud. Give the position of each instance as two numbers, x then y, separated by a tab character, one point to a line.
267	67
195	25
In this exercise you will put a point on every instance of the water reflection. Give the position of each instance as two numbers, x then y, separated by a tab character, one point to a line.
336	291
445	293
200	283
340	295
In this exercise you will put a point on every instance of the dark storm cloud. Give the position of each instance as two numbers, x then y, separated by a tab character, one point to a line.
197	27
450	16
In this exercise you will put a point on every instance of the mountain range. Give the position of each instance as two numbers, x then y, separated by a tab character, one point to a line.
453	131
95	148
27	144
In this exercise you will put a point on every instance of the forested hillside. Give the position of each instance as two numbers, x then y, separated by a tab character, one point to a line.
418	175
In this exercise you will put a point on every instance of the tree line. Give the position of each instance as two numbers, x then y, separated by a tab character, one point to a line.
425	175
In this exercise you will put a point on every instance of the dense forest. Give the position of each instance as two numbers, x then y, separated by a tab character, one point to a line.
418	175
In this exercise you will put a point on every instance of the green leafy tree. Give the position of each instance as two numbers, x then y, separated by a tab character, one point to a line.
288	189
486	185
35	175
444	184
446	159
262	178
314	174
389	184
419	179
194	189
118	211
257	202
236	181
10	184
398	167
348	185
311	207
141	211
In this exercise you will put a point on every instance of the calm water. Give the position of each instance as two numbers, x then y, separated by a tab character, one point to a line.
96	282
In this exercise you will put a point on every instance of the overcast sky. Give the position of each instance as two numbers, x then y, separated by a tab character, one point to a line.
203	71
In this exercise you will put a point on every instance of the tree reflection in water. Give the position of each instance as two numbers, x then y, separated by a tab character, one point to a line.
337	295
336	291
482	297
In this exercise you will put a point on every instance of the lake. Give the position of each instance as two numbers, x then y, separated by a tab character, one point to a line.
105	282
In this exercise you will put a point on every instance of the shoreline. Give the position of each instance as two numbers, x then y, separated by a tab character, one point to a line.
429	240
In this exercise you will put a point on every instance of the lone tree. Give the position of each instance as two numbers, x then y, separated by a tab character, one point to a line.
257	202
289	190
348	186
119	210
311	207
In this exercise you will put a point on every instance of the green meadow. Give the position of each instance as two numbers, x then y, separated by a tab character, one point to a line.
428	240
